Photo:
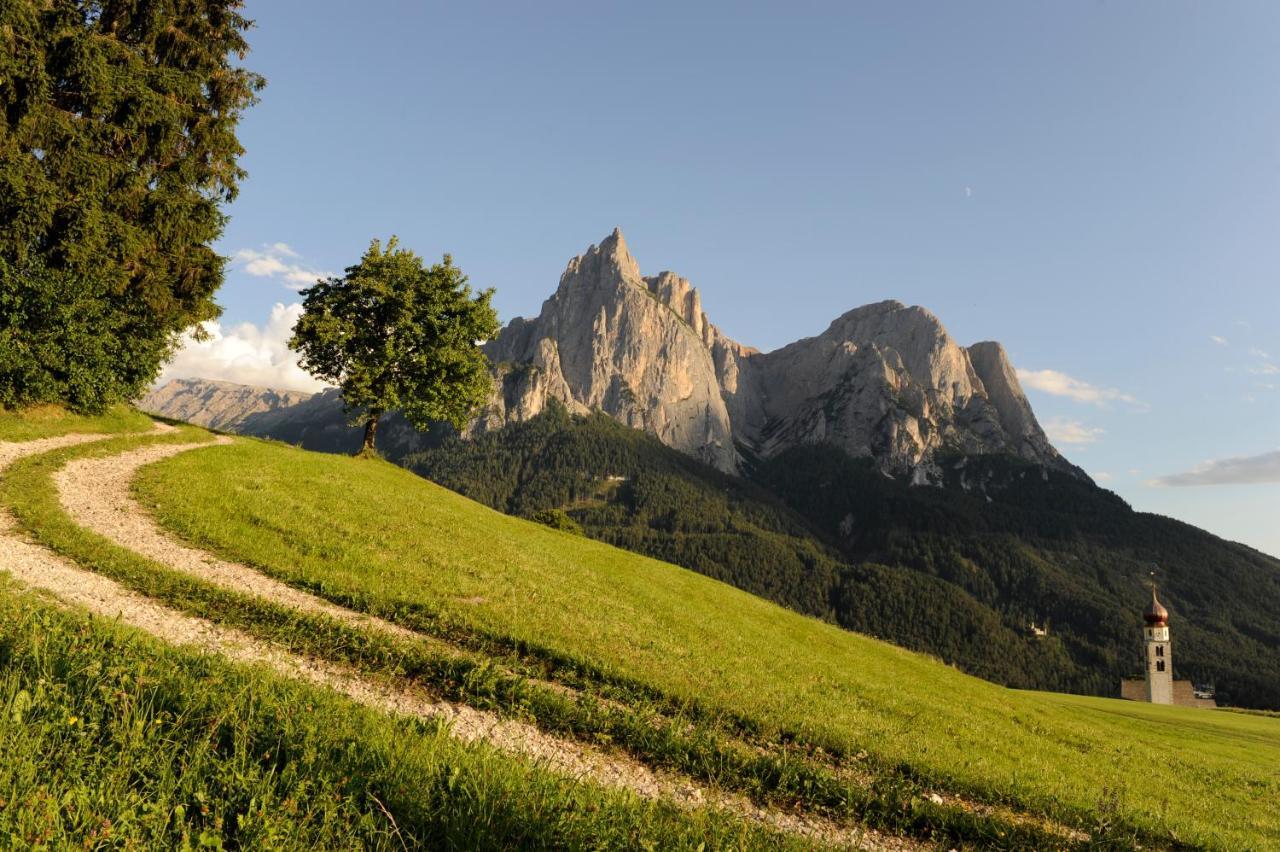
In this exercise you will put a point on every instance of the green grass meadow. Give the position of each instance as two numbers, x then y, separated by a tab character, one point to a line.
46	421
364	530
111	739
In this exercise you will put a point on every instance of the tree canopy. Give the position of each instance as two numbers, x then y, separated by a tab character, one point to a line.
117	149
395	334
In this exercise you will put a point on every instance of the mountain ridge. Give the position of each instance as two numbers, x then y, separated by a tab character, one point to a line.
216	404
884	380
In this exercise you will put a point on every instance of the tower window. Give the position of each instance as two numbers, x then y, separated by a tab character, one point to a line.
1159	650
1159	665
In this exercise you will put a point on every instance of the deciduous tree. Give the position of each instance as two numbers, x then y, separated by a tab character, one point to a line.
393	333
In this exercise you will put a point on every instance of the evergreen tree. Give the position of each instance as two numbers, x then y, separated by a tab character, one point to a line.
117	148
393	333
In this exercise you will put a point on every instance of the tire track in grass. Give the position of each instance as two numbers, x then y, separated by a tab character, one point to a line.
96	494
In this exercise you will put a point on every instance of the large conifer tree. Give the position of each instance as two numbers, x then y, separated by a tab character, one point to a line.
117	148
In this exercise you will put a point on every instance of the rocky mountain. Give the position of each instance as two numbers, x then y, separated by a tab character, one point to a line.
639	349
779	484
884	381
214	404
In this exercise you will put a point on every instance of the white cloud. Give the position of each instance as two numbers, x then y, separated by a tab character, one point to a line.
1103	476
245	353
1258	353
273	261
1241	470
1060	384
1071	432
1265	370
1221	341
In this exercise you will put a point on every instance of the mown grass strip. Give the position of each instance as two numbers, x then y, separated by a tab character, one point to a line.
687	745
112	739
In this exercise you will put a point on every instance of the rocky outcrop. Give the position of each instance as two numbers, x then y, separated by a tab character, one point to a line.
214	404
884	381
610	339
887	381
1004	392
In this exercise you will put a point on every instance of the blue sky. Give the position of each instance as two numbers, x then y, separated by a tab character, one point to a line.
1096	185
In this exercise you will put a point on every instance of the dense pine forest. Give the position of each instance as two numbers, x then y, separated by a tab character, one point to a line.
962	571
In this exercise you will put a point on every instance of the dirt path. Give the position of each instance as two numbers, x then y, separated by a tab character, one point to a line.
95	492
99	493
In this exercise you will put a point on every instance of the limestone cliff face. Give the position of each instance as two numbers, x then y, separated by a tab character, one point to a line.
887	381
214	404
612	340
884	381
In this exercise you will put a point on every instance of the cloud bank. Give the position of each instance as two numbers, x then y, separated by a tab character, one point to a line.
1261	469
246	354
1060	384
277	260
1062	431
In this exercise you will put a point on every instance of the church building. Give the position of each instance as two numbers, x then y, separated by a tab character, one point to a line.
1157	685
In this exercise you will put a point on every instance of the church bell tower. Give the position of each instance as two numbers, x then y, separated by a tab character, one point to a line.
1159	672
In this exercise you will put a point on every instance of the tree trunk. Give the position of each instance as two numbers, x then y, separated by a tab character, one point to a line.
370	432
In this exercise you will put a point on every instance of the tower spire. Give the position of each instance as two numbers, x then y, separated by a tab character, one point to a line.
1159	650
1155	613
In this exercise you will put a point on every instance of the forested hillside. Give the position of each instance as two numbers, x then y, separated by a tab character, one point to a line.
961	571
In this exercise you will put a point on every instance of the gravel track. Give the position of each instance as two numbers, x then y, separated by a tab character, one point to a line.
96	493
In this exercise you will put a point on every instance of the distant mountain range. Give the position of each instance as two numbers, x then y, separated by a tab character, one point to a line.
884	381
806	476
216	405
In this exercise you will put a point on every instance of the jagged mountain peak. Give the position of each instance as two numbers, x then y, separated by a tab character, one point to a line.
612	340
608	262
884	380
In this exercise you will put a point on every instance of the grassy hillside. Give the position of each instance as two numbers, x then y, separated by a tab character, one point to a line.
110	739
624	487
373	535
46	421
1040	546
959	571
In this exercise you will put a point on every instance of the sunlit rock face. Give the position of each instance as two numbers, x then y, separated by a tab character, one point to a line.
884	381
217	405
612	340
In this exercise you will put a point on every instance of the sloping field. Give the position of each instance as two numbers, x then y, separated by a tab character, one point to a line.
372	536
110	738
548	690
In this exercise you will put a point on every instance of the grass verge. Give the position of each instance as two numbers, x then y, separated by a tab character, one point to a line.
692	745
307	518
47	421
110	739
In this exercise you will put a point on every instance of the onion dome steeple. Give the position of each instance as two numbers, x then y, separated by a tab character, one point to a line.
1156	613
